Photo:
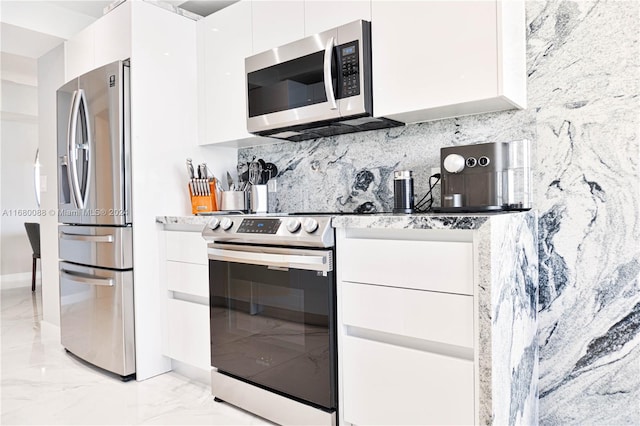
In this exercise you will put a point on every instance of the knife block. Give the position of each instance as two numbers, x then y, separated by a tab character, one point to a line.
204	203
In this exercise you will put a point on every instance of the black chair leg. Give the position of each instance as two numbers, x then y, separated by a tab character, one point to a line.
33	275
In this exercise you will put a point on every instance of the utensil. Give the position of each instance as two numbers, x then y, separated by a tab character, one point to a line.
255	171
272	170
230	182
190	171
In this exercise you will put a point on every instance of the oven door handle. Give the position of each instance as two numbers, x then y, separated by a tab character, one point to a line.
320	261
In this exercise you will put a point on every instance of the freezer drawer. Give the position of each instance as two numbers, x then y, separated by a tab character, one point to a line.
102	246
96	316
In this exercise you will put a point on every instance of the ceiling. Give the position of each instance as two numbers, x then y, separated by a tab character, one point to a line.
29	29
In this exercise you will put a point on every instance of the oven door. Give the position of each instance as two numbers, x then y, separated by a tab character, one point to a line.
273	319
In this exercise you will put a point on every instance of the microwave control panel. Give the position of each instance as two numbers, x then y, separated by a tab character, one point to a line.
350	72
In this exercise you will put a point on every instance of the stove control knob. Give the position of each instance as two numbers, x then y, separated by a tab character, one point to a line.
226	223
310	225
214	223
293	225
454	163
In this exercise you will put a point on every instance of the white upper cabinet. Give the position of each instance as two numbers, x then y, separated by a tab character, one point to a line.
224	40
439	59
79	54
106	40
321	15
113	36
276	23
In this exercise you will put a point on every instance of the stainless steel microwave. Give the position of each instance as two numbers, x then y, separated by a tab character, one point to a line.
314	87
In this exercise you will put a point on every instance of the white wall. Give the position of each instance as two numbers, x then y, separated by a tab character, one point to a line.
50	77
19	138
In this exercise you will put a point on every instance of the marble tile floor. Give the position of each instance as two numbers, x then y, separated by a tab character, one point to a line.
42	385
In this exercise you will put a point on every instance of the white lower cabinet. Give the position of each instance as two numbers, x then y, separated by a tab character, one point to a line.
185	273
388	384
405	328
188	333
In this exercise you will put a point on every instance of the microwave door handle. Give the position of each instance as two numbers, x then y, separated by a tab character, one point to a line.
328	83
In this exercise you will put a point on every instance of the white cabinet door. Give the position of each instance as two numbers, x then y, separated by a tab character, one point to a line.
276	23
387	384
79	51
188	247
189	338
321	15
224	40
107	40
112	35
188	278
437	59
445	320
443	266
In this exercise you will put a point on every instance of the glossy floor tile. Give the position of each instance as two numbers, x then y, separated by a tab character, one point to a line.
42	384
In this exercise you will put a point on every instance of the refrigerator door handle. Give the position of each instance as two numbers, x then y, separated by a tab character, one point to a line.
88	238
83	279
86	146
72	167
80	191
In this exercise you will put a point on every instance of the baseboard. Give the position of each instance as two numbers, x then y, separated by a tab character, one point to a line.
18	280
191	372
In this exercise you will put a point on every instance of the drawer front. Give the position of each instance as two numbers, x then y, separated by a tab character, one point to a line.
103	246
186	247
188	278
393	385
438	317
422	265
96	316
188	333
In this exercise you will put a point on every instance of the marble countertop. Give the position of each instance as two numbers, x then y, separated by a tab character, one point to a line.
183	223
381	220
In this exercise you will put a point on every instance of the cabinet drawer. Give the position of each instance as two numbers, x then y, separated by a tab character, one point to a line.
186	247
393	385
188	278
422	265
188	333
436	317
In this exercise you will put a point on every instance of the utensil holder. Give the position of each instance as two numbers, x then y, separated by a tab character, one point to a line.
204	203
259	199
234	201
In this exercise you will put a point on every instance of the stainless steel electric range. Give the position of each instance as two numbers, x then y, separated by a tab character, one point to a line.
273	316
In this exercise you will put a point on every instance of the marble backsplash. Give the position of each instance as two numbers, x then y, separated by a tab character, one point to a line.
583	120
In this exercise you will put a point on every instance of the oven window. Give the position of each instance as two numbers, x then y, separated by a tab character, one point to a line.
288	85
275	328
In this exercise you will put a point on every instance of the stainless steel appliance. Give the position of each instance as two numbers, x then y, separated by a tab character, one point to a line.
94	211
315	87
273	316
493	176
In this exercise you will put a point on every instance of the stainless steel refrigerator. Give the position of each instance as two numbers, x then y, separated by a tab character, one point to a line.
94	212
